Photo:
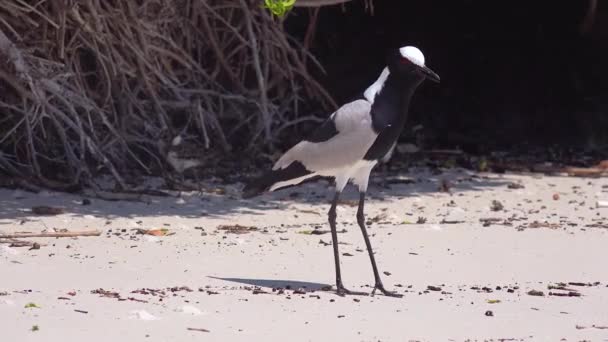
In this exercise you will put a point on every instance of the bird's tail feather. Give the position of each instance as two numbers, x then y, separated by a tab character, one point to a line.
263	183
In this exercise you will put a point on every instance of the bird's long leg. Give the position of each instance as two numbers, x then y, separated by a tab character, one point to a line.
340	289
361	221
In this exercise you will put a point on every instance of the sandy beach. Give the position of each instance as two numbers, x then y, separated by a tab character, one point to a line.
497	258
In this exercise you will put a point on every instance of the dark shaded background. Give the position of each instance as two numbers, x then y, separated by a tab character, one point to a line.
513	72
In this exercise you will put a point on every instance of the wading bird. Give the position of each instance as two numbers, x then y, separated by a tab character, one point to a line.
351	142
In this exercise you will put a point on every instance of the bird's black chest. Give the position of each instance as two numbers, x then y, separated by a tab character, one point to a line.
389	114
384	142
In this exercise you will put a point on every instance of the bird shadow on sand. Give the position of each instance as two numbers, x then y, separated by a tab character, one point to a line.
276	283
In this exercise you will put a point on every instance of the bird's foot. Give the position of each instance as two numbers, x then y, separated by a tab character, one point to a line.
384	291
342	291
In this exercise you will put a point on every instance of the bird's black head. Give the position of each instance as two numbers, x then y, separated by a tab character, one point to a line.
408	62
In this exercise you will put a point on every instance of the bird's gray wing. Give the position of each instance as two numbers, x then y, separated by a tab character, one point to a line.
353	136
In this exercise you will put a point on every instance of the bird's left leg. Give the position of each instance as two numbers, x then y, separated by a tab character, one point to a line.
361	221
340	289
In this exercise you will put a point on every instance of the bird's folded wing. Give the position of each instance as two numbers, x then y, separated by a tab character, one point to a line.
340	142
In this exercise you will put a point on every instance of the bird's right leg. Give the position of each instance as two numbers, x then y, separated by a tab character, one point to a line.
368	244
331	215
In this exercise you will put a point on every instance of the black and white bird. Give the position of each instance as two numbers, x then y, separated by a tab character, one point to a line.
350	143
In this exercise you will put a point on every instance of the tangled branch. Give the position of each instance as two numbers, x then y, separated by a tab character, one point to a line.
92	87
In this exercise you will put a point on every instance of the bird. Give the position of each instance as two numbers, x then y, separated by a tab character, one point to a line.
349	143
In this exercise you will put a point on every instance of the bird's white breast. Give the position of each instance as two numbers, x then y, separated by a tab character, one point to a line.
374	89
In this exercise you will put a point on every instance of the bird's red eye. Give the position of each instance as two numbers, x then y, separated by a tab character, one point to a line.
404	60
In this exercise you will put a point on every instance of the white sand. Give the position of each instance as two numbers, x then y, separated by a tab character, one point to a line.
455	257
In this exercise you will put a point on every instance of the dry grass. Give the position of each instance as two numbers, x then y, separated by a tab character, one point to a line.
104	86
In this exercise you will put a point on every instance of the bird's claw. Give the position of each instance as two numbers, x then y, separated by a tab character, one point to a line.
385	292
342	291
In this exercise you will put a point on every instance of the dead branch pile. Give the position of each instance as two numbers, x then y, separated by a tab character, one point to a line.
110	86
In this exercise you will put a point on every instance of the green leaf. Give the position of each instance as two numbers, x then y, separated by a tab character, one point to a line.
31	305
279	7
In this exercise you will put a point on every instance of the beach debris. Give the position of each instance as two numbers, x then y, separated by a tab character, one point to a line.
446	221
319	231
46	210
578	283
536	293
106	293
154	232
515	185
308	211
566	294
198	329
496	206
597	225
545	224
62	233
486	222
237	228
579	327
598	170
21	243
381	218
560	286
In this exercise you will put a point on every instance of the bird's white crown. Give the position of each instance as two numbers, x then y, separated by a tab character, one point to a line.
413	54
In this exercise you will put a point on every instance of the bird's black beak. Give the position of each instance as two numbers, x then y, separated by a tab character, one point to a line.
430	74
